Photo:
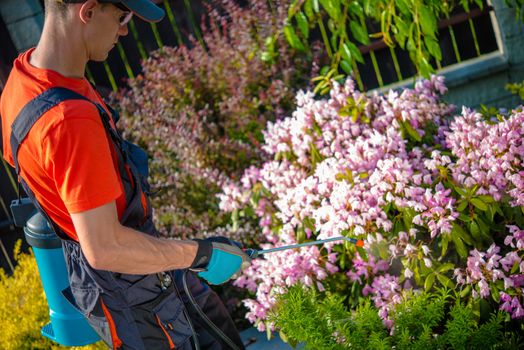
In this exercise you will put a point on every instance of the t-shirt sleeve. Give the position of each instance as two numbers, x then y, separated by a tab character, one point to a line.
77	155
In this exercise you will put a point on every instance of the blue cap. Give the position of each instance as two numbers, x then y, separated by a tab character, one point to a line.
144	9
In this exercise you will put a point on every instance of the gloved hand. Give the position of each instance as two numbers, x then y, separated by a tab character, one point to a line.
218	259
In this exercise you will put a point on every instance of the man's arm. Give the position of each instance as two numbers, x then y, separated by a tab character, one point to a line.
108	245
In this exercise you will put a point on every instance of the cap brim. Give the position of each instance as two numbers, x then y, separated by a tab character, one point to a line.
145	9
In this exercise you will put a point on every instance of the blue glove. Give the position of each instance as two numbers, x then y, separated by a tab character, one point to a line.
218	259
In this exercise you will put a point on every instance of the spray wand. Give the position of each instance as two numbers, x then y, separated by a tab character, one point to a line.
254	253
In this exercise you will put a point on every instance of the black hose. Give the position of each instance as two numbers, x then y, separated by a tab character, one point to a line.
206	319
195	338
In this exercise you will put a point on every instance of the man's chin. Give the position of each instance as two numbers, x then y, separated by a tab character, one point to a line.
100	58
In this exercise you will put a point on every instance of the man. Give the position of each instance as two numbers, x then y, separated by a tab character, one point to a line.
92	186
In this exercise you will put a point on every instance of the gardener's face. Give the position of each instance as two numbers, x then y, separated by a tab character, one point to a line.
109	23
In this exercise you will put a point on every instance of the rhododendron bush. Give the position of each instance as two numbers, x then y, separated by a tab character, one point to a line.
436	196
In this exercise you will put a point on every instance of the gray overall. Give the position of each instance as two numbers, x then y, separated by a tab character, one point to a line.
145	312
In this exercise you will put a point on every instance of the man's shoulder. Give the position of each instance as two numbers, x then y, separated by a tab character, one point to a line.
71	109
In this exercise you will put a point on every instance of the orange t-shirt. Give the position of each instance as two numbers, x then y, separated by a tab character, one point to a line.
66	159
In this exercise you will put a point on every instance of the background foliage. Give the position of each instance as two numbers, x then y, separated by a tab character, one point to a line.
24	310
199	111
343	26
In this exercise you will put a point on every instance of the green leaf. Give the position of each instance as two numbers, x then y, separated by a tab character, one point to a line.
465	218
316	157
460	191
475	231
332	8
411	132
301	235
346	67
484	229
428	283
316	7
359	32
346	52
402	31
355	52
473	190
428	21
491	213
383	250
424	66
303	24
495	294
283	336
465	292
498	210
445	242
486	198
408	215
463	204
356	9
324	70
362	252
293	38
445	281
433	47
234	219
404	6
459	246
309	223
308	8
515	267
479	204
410	46
458	230
445	267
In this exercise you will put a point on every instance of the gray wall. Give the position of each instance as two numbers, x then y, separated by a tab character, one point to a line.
24	20
484	81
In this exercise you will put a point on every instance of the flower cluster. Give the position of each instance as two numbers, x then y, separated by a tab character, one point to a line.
287	268
489	155
394	171
484	269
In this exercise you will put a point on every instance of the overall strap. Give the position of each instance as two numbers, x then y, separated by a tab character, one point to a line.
24	122
134	214
32	112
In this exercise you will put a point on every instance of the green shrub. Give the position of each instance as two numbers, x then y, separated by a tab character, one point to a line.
24	310
424	321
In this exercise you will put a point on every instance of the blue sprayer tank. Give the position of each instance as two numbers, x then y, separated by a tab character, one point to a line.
68	326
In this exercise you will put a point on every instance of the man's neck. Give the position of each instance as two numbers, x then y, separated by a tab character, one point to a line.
59	51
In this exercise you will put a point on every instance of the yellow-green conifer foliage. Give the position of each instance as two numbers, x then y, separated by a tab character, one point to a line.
23	308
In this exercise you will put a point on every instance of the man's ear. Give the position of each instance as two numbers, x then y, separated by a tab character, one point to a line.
87	10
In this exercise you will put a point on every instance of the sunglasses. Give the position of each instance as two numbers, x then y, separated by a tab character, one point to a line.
124	17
